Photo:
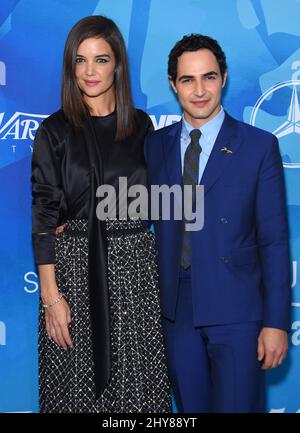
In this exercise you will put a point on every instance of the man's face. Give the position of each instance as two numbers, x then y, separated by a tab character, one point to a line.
198	86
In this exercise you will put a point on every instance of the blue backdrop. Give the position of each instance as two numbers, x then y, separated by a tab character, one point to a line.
261	39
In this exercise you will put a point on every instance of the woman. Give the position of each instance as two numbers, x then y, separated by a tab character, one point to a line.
100	340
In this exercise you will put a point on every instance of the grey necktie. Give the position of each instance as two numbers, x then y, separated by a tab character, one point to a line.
190	177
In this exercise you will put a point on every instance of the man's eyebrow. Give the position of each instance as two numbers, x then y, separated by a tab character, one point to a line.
209	73
183	77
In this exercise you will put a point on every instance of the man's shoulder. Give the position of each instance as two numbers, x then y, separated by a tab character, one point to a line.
250	131
166	130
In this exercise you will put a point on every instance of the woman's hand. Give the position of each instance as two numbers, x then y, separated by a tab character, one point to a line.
58	319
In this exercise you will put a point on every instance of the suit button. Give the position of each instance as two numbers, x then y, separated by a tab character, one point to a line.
224	220
225	259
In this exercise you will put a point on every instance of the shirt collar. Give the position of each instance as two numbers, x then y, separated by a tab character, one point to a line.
209	130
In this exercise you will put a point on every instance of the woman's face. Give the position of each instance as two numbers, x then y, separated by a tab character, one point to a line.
95	67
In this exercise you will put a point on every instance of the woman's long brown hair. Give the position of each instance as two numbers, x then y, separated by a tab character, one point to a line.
73	104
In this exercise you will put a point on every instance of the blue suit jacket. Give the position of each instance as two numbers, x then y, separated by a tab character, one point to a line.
240	259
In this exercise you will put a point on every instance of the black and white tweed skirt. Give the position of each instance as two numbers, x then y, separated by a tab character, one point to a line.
139	380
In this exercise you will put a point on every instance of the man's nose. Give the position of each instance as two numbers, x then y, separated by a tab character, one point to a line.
199	88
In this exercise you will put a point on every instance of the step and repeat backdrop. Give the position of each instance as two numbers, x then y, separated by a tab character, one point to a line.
261	39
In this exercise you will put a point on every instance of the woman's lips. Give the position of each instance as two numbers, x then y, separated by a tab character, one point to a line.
91	83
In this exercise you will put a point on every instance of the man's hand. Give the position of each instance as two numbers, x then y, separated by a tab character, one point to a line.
59	229
272	347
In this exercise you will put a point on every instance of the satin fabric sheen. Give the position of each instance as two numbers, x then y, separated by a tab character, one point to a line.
68	165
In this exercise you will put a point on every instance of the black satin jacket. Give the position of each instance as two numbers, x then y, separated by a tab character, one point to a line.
67	168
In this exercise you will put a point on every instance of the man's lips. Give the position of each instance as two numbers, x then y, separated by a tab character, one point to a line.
200	104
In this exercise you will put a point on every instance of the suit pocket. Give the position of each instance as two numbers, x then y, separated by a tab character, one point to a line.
244	255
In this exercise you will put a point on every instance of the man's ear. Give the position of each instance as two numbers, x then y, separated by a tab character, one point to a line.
172	84
224	79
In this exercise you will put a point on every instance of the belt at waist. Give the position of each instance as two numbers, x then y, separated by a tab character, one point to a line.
114	228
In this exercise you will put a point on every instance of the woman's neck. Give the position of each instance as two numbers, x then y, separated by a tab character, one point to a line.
102	105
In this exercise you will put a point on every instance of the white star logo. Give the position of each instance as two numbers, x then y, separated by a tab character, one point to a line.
292	125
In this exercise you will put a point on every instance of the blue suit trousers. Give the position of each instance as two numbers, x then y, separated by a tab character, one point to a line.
212	368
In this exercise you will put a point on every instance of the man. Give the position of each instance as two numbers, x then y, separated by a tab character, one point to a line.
225	289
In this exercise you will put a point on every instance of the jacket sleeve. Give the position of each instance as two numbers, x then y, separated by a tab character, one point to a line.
46	195
272	231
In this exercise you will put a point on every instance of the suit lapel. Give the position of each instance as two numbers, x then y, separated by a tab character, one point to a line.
172	155
220	159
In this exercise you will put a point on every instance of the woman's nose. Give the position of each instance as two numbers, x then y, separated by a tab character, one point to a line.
90	67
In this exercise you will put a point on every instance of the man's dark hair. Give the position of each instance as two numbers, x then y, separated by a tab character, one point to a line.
195	42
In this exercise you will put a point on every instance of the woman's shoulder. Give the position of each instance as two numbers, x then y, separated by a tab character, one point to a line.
55	121
141	115
56	126
144	120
